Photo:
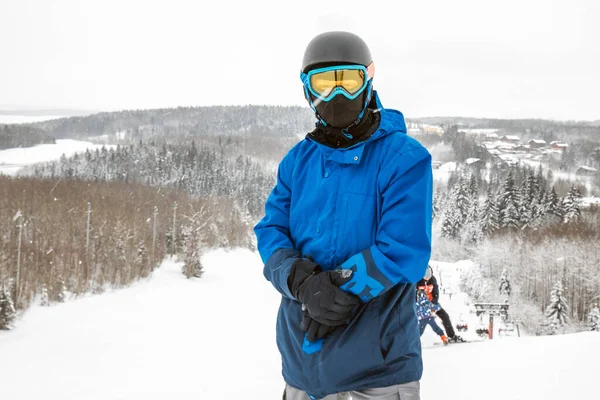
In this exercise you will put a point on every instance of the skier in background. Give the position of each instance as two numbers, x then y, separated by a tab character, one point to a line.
426	315
346	235
430	286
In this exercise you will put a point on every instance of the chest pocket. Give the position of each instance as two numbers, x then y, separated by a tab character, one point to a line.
358	222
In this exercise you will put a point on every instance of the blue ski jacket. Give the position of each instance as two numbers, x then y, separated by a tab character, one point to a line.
367	208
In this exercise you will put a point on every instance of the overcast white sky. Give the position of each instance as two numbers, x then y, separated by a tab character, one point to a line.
506	59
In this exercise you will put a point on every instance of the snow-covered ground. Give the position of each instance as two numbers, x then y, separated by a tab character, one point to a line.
590	201
442	174
12	160
25	119
214	338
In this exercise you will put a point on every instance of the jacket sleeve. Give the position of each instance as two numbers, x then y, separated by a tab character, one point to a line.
403	239
273	231
435	292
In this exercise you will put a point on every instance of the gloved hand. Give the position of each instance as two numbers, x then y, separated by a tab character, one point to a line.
319	291
314	330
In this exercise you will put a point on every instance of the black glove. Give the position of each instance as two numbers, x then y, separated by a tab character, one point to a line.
314	330
319	291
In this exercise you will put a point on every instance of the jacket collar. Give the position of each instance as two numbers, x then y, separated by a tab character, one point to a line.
391	122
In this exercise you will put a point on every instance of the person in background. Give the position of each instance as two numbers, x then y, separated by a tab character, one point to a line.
426	315
430	286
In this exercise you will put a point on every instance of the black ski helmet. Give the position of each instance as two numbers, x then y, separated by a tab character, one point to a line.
336	47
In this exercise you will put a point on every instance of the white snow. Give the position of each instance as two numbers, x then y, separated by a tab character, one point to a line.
442	174
26	119
214	338
12	160
165	338
589	201
470	161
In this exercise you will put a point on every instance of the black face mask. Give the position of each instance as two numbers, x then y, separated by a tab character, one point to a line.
339	112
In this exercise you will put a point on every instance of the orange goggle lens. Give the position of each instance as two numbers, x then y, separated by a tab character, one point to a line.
351	80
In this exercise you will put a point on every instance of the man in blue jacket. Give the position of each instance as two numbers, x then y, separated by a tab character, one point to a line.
346	235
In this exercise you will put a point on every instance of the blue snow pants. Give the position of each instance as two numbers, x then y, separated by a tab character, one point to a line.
431	322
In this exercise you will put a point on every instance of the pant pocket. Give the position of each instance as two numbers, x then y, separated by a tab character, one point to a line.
406	391
410	391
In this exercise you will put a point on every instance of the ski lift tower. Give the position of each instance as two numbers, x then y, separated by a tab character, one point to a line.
492	310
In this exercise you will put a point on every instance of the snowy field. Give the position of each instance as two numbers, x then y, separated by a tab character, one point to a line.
25	119
12	160
214	338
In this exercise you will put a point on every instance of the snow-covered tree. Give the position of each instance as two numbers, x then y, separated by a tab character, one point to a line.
594	318
61	294
192	267
451	220
572	205
450	223
472	232
511	216
142	255
473	190
8	313
436	204
541	205
489	215
556	313
44	301
554	207
526	204
475	283
505	287
193	233
462	199
508	204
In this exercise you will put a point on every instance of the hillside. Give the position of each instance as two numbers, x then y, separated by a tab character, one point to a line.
173	123
168	337
12	136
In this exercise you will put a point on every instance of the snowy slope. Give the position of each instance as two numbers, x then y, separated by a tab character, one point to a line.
12	160
456	303
167	338
214	338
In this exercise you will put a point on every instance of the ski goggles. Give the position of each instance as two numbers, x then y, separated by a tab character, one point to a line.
347	80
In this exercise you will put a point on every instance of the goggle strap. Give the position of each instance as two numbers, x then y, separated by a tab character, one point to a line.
367	100
310	103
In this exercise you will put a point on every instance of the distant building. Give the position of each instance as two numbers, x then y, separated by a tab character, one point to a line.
537	143
433	129
586	171
506	147
557	145
511	139
509	160
471	161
